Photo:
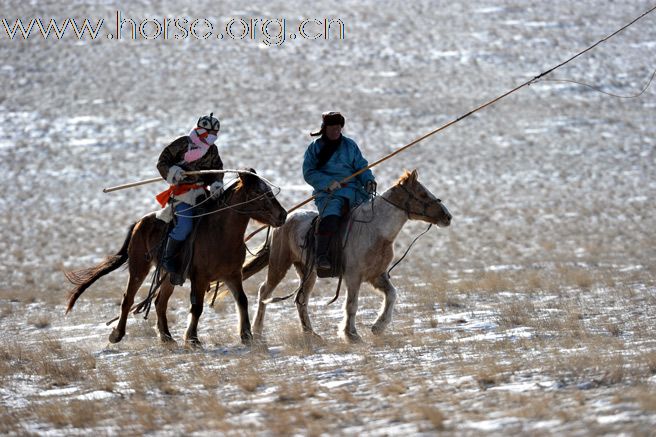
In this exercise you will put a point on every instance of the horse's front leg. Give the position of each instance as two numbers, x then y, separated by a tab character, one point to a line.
349	332
384	284
198	287
237	289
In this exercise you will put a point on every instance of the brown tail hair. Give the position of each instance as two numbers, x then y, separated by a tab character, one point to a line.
257	262
84	278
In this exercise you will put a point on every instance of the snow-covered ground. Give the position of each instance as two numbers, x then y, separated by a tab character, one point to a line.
533	313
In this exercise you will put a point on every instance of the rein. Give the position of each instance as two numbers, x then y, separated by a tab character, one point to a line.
232	207
408	249
406	208
267	194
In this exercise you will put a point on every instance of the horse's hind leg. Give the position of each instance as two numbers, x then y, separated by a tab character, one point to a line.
161	304
384	284
237	290
349	332
138	272
277	270
303	297
198	288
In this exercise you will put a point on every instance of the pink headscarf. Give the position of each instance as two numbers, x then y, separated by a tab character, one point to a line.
198	146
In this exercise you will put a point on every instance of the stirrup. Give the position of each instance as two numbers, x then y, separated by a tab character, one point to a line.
323	263
176	278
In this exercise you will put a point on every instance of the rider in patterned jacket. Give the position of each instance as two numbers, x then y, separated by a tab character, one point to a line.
192	152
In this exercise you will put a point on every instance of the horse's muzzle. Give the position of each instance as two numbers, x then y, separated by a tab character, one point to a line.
444	220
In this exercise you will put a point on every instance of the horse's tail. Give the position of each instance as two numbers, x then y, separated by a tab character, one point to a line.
257	262
253	265
84	278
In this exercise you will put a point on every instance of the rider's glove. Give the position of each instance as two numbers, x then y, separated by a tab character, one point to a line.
370	187
175	175
216	189
333	186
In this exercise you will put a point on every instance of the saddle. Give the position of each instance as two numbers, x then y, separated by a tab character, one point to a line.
335	248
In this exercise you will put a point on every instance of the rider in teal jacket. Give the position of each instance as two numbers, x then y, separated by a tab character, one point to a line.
328	160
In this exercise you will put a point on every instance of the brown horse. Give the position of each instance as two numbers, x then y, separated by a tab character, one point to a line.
368	252
218	254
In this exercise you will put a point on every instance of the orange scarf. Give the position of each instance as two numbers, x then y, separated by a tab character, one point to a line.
174	190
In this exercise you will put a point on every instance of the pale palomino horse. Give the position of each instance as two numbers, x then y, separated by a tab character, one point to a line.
368	252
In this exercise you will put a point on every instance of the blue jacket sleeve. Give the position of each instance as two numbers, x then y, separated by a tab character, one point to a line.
359	163
312	176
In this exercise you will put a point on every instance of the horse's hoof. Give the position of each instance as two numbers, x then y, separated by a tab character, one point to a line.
166	338
247	338
116	336
377	329
352	337
260	345
313	336
193	343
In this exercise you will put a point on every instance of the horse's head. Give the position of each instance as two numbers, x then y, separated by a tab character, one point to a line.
419	203
259	202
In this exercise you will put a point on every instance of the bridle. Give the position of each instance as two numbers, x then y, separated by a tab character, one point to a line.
405	207
267	194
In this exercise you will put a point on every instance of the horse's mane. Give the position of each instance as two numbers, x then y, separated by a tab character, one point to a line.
230	189
234	187
404	177
358	210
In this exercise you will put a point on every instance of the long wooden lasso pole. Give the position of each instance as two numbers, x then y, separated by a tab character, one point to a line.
473	111
433	132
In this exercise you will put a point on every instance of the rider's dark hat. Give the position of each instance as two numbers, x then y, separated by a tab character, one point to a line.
331	118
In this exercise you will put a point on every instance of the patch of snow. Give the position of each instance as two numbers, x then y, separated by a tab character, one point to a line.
86	119
489	10
95	395
615	418
492	424
338	383
79	142
59	391
547	425
517	387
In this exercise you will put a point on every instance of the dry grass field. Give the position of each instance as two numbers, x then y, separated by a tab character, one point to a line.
533	314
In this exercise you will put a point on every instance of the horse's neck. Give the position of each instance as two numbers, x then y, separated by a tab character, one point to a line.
385	221
229	223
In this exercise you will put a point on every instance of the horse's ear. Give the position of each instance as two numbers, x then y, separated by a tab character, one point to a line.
247	178
413	176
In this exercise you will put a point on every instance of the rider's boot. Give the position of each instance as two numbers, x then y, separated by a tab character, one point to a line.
169	261
323	242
